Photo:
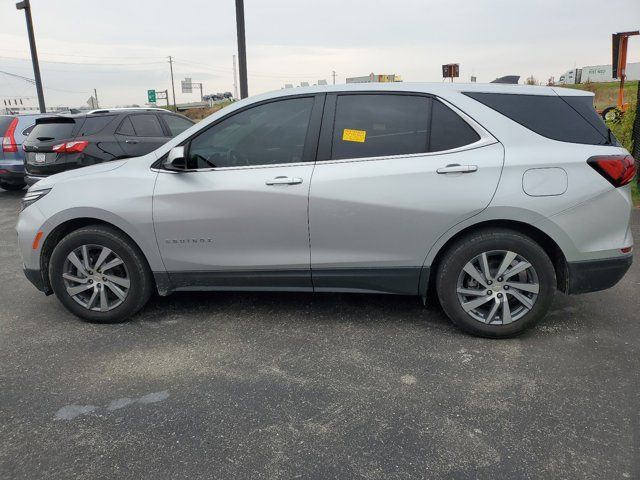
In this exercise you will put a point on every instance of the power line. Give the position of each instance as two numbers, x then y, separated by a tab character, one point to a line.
33	82
85	63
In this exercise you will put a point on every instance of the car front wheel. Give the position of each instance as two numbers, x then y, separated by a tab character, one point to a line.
496	283
99	275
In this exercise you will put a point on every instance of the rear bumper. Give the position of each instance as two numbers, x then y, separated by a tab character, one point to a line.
595	275
12	172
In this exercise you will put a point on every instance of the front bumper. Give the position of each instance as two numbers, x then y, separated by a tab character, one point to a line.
35	277
595	275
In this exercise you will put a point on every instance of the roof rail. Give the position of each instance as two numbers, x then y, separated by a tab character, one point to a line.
107	110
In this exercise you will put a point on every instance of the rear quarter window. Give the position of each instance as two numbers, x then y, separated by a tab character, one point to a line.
94	125
558	118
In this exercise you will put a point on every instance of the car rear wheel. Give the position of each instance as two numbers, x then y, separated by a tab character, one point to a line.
496	283
99	275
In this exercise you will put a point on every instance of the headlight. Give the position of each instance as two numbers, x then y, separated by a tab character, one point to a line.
33	196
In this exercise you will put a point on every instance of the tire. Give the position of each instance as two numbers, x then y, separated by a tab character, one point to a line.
523	308
12	187
132	277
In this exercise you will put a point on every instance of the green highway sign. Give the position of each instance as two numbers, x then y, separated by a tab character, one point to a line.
151	95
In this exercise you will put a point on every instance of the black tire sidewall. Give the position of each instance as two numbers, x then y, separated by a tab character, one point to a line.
136	265
470	247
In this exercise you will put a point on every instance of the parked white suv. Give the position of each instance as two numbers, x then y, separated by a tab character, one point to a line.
493	196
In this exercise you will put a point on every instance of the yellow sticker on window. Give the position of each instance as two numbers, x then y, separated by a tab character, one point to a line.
349	135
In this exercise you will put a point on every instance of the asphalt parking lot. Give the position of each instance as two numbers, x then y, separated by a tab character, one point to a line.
263	385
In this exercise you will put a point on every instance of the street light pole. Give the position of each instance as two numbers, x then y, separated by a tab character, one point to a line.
26	6
242	49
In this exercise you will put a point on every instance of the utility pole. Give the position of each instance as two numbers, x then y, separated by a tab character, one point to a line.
173	88
235	79
242	49
26	6
95	95
334	77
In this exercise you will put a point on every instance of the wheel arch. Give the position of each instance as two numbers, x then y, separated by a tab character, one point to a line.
64	228
548	244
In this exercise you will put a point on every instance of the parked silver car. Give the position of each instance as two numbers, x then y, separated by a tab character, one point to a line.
490	196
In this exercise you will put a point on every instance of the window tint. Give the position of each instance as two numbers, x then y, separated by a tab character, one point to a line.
176	124
380	125
93	125
584	106
56	130
147	125
27	130
550	116
449	130
267	134
126	128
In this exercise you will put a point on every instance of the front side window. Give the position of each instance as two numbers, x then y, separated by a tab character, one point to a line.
147	125
380	125
268	134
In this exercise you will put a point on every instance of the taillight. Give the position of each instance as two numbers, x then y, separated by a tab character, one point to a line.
70	147
617	169
9	140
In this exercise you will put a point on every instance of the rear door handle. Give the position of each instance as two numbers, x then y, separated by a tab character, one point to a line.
284	181
128	140
457	168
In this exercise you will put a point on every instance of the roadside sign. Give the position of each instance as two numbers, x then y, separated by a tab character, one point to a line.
450	70
187	85
151	96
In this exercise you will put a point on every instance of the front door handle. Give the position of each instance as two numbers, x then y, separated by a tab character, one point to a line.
129	140
457	168
284	181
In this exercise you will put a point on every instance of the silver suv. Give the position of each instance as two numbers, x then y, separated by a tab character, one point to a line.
490	196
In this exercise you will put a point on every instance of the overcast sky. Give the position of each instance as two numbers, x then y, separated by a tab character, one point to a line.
121	47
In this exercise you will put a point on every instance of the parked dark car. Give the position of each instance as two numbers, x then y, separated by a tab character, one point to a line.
66	142
13	131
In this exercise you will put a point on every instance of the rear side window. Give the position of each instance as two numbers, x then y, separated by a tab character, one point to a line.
380	125
93	125
176	124
126	128
554	117
52	131
147	125
449	130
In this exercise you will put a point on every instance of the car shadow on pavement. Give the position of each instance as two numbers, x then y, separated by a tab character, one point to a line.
303	307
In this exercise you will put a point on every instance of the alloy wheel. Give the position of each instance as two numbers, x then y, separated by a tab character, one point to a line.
96	278
498	287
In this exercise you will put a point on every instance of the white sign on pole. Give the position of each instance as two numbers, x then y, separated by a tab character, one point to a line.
187	86
92	102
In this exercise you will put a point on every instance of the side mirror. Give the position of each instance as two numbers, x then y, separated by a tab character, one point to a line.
175	160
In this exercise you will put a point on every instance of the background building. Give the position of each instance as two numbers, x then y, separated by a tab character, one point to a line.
373	78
